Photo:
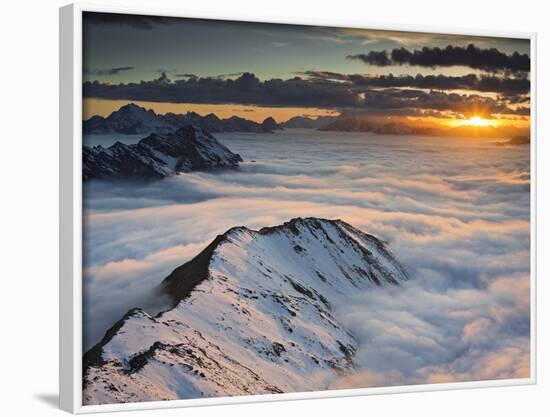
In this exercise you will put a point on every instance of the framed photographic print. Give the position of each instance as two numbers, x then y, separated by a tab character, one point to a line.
273	210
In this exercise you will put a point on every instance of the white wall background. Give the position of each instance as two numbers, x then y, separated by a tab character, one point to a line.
29	195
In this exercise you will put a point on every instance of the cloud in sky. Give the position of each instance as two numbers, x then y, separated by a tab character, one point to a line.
211	47
199	73
474	82
319	91
110	71
486	59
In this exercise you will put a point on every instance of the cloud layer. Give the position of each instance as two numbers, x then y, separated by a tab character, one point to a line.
486	59
481	83
455	212
404	95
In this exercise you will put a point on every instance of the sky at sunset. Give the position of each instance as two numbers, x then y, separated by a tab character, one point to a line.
104	107
255	70
428	150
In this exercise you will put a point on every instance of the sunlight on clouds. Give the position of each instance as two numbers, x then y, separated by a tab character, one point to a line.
455	214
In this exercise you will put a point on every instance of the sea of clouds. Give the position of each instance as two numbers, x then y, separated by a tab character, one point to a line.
455	212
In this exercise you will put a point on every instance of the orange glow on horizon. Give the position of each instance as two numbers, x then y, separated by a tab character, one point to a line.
102	107
478	121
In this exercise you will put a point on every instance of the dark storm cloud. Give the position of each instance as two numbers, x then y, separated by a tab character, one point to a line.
518	99
394	101
490	59
483	83
379	58
437	100
130	20
110	71
248	89
523	111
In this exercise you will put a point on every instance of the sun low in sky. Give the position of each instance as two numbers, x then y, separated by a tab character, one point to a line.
478	121
256	70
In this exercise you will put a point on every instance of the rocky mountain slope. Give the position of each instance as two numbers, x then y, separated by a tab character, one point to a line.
189	148
253	313
133	119
270	125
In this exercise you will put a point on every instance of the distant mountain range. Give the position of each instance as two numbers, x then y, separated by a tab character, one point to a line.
187	149
133	119
358	124
253	313
304	122
353	123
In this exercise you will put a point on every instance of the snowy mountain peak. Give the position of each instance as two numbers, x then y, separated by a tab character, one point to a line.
134	119
133	108
253	313
359	257
156	156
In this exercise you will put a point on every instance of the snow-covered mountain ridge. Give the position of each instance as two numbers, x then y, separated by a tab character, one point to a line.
133	119
189	148
253	313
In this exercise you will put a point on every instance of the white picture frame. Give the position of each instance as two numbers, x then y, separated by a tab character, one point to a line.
70	203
